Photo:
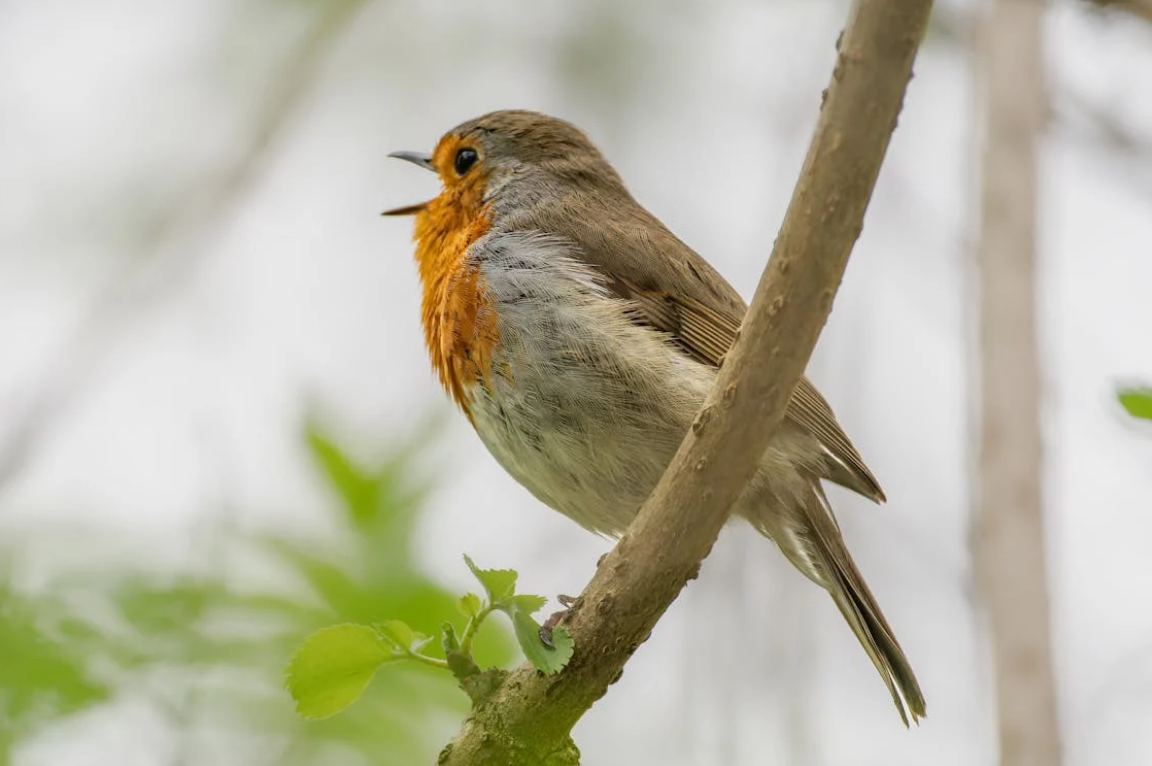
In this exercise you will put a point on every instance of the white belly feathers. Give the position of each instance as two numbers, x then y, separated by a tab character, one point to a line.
584	407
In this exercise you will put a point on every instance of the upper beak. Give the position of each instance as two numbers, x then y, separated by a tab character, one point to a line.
416	158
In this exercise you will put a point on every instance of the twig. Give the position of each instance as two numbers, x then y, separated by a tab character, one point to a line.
528	720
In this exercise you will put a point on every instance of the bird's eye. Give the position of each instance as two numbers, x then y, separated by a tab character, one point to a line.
465	159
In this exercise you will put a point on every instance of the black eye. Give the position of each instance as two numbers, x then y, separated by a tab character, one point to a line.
465	159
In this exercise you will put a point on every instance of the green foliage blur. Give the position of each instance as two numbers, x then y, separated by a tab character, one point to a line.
210	650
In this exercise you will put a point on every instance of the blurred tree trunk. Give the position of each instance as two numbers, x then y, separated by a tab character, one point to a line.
1009	555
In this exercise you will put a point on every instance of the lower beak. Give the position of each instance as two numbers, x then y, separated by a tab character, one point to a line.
407	209
416	158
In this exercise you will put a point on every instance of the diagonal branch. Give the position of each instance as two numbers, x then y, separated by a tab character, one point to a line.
528	719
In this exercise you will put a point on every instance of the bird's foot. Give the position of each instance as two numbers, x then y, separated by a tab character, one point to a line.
554	620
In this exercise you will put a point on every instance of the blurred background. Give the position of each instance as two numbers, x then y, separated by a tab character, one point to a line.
219	430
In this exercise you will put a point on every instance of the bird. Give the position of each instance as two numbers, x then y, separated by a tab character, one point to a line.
580	336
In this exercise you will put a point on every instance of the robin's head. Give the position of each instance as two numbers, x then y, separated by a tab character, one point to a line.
522	154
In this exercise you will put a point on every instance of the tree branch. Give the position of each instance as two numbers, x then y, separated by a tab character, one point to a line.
528	720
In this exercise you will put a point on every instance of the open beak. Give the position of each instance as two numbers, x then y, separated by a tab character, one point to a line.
416	158
407	209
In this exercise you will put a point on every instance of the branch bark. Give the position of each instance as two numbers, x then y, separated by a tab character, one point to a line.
528	720
1010	560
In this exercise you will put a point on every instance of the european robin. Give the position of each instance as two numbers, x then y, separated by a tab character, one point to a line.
580	337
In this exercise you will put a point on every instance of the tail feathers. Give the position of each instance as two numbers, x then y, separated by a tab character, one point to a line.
811	540
866	620
859	607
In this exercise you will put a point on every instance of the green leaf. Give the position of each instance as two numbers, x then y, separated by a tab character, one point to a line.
461	664
397	632
529	603
448	641
499	584
1137	402
403	637
357	488
333	666
469	605
546	659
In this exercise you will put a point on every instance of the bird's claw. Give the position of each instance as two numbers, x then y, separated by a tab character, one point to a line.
554	620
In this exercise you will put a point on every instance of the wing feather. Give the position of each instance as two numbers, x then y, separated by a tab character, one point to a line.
678	292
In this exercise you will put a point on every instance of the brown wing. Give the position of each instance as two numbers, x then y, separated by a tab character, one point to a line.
678	292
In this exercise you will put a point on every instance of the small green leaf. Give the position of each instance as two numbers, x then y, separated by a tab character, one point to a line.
398	633
461	664
528	603
1137	401
333	666
499	584
449	641
402	636
469	605
546	659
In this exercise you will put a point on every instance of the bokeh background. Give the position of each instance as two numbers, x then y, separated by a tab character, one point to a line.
219	430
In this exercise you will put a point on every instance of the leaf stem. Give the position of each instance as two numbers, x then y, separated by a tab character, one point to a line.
435	662
471	628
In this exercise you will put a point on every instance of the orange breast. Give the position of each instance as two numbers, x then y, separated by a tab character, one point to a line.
459	321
